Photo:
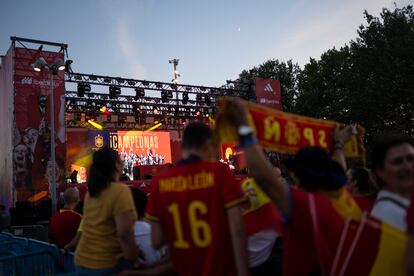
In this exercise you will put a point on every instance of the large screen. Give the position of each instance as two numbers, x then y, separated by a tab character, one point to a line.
142	147
136	148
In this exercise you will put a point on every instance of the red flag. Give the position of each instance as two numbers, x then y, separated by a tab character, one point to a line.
259	213
268	93
370	247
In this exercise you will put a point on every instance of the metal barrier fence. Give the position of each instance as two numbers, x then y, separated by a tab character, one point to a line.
35	263
21	256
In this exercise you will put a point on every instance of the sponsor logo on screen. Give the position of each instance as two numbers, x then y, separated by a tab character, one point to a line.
45	83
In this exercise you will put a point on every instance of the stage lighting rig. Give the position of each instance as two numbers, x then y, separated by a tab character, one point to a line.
164	96
210	112
185	98
139	93
176	75
104	110
163	101
68	66
58	65
136	108
207	99
83	88
114	108
114	91
131	82
89	105
39	64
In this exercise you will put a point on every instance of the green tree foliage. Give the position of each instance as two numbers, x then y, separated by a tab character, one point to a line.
324	86
383	73
370	81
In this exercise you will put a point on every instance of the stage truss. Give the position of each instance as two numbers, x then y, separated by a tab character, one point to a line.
172	105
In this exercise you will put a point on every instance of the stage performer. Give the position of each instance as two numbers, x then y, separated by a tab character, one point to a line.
196	208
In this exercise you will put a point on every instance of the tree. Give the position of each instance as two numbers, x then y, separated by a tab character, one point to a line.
324	86
370	82
383	69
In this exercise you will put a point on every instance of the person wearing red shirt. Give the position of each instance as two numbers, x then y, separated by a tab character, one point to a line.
410	233
64	224
196	208
312	226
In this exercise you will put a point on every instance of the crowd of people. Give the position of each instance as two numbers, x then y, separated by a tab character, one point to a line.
132	159
196	215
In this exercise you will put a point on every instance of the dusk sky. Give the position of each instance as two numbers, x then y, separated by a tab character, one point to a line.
214	39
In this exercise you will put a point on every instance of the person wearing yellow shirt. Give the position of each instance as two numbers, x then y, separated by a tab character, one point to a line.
107	244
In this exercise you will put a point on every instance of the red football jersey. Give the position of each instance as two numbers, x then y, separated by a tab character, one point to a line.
63	226
366	203
300	255
410	215
190	202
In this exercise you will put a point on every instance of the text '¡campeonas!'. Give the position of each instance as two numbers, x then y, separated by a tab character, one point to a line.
133	142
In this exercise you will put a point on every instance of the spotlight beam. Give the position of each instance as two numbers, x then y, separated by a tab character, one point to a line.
95	125
154	127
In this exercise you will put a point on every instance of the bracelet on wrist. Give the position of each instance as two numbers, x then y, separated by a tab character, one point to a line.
338	146
246	141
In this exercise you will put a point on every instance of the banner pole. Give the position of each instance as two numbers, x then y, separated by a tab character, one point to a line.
52	144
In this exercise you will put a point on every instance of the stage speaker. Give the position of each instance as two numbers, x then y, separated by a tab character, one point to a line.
136	174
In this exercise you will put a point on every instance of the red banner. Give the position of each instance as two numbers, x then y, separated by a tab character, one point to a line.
32	135
268	93
287	133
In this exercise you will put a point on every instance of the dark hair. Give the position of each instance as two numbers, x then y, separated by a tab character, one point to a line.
140	200
102	170
124	177
316	170
364	182
383	144
196	135
73	176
